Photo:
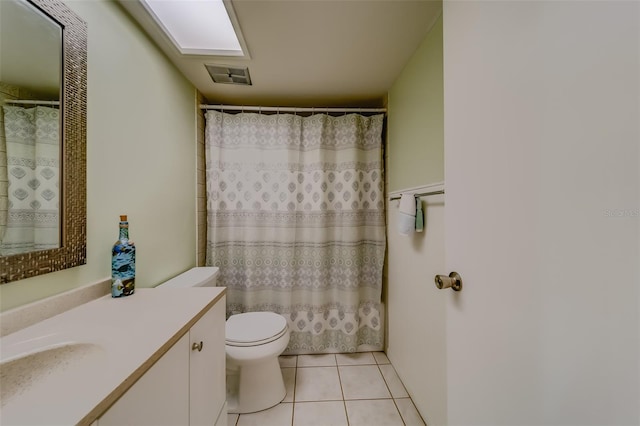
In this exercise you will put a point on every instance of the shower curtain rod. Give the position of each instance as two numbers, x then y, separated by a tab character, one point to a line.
288	109
30	102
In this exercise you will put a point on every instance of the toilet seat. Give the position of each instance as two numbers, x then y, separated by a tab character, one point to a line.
254	328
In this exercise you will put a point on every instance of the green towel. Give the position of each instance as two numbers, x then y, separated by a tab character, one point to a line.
419	216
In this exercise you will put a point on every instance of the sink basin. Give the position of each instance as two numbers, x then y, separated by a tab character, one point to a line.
22	372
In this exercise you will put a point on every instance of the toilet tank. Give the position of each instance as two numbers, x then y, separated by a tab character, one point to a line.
204	276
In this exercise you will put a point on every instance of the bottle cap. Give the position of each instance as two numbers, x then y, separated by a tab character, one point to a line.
123	218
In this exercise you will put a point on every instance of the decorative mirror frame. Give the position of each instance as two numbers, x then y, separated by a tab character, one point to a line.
73	248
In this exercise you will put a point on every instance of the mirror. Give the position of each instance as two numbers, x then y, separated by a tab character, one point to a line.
43	57
30	71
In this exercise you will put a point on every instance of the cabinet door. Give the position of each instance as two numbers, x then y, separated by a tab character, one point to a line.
207	382
159	397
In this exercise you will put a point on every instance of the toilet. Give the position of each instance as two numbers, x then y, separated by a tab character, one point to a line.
254	340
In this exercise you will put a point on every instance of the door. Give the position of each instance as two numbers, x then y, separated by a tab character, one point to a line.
541	214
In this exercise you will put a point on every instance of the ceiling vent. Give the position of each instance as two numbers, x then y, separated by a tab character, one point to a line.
229	75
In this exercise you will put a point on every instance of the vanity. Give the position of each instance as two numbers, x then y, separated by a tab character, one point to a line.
154	358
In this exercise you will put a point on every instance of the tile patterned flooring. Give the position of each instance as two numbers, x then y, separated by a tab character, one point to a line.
338	390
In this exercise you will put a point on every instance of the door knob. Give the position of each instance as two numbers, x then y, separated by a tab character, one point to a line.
453	281
197	346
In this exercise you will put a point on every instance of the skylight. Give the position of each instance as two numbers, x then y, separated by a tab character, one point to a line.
197	27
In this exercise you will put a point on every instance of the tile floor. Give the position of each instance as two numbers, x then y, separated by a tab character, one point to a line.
337	390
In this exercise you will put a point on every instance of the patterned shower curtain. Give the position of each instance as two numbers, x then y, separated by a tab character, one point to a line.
33	162
296	223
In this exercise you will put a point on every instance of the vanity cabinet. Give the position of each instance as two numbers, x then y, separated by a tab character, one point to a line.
186	386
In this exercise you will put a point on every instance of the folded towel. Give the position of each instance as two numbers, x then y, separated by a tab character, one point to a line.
408	204
407	214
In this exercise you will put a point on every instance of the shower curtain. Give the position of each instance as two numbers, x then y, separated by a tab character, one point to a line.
33	161
296	223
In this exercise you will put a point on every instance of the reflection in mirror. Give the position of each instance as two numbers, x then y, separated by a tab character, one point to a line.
43	72
30	76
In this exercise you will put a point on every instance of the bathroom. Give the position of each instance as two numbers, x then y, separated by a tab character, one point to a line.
532	128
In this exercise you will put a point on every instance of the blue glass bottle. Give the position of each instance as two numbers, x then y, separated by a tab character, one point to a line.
123	263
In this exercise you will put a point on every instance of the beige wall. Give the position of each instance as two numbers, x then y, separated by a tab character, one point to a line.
141	154
416	309
415	129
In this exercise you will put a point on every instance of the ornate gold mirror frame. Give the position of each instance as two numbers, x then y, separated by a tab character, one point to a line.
74	136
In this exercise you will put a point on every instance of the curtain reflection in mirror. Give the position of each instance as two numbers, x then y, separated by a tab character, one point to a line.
33	168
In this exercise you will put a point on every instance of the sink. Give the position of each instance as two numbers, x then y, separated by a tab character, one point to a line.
23	371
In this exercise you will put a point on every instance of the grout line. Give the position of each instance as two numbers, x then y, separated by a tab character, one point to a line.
340	381
293	397
414	407
405	388
344	402
322	366
390	393
319	400
370	398
295	380
335	362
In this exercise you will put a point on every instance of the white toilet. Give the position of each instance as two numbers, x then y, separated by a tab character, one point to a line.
254	340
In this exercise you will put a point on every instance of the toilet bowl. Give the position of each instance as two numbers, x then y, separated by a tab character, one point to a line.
254	340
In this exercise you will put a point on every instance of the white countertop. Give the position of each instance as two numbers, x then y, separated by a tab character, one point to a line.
114	341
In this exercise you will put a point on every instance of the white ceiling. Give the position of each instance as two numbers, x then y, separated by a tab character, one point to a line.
311	52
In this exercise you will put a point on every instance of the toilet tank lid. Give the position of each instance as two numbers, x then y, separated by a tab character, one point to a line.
194	277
